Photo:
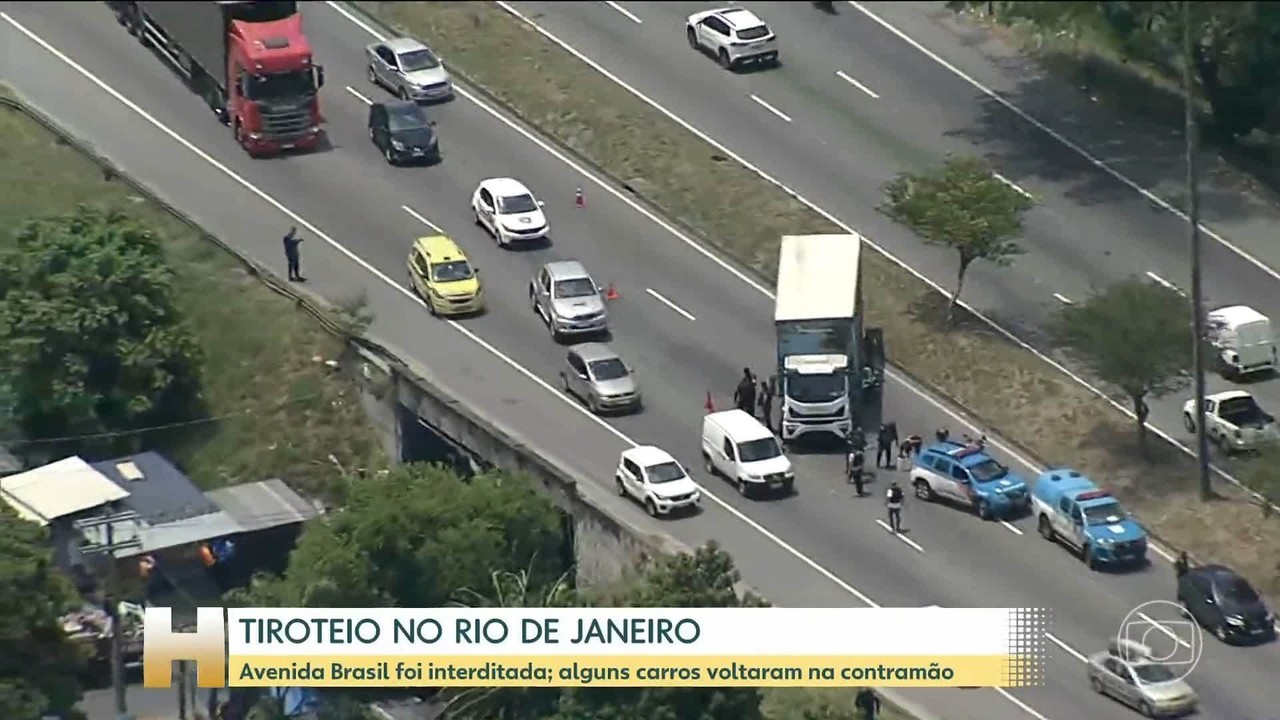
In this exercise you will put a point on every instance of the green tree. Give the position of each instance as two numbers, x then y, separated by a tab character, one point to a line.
416	536
1135	335
38	664
705	578
92	339
963	206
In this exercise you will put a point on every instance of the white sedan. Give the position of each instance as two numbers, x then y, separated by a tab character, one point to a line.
509	211
656	480
1233	420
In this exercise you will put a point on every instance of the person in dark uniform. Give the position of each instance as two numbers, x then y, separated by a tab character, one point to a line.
942	434
893	498
868	703
855	463
292	256
1181	565
885	440
745	394
766	405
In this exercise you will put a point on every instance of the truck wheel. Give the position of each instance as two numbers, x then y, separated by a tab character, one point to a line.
1188	422
923	491
1046	529
1090	560
984	510
707	465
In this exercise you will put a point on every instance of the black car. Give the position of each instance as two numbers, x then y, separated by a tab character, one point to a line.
403	133
1225	604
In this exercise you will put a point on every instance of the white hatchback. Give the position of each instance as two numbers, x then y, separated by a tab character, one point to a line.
656	480
509	211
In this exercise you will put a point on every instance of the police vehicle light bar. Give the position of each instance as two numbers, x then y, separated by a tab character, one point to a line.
1092	495
965	451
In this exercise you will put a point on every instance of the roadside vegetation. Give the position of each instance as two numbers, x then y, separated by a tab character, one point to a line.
1011	391
124	329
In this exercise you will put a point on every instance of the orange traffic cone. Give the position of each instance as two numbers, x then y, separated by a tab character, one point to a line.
710	406
611	293
578	199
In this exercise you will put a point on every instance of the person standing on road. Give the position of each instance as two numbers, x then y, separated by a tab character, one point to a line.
292	256
745	394
885	440
1181	565
868	703
766	405
855	464
893	498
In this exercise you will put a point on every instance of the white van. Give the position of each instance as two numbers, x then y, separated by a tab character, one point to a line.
1243	339
741	449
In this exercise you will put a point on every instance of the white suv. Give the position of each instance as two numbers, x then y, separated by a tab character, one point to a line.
733	35
655	480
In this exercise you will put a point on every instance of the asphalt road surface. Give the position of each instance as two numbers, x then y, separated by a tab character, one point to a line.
853	104
822	547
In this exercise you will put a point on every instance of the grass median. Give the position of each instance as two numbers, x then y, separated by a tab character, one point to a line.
1010	390
279	411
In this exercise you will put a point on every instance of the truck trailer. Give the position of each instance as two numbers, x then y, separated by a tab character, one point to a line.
826	366
250	61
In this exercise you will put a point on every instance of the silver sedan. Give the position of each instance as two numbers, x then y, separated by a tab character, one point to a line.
596	375
409	69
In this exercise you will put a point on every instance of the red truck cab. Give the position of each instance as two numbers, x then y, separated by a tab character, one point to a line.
273	103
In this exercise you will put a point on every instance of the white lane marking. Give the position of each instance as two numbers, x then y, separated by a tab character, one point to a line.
905	382
1062	299
1011	527
624	11
854	82
358	96
1166	283
1014	185
669	304
421	219
1165	630
314	230
911	543
1070	650
770	108
1150	196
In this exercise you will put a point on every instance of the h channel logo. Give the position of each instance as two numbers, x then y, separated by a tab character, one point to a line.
207	646
1168	635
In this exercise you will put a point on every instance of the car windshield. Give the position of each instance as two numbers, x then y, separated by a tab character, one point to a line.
816	388
1239	592
451	271
406	117
514	204
761	449
1242	411
416	60
753	33
664	472
575	288
1150	673
988	470
610	369
280	86
1104	514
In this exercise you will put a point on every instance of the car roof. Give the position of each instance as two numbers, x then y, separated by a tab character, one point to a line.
967	455
591	352
400	106
1228	395
439	248
647	455
741	426
566	270
506	187
1216	573
1063	481
403	45
740	18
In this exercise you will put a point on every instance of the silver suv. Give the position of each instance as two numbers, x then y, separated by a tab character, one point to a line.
595	374
568	300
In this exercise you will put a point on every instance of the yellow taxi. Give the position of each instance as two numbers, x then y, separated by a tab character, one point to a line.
444	278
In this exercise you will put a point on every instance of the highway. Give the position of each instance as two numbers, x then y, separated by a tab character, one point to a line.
854	104
820	548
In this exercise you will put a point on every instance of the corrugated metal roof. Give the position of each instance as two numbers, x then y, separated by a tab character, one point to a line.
262	505
187	531
58	489
818	277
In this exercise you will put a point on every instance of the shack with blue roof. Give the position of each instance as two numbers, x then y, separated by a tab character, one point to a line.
1071	508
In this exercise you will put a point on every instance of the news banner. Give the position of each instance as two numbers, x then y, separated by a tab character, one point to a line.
611	647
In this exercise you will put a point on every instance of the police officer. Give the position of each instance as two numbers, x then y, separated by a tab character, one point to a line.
893	498
766	404
885	440
292	256
868	702
854	464
1181	565
745	394
942	434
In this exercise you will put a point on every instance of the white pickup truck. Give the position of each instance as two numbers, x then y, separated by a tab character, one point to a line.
1234	421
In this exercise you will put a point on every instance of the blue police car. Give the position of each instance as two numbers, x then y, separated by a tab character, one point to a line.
967	475
1071	508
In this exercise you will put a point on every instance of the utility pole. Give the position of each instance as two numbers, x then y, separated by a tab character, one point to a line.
182	690
110	603
1193	226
